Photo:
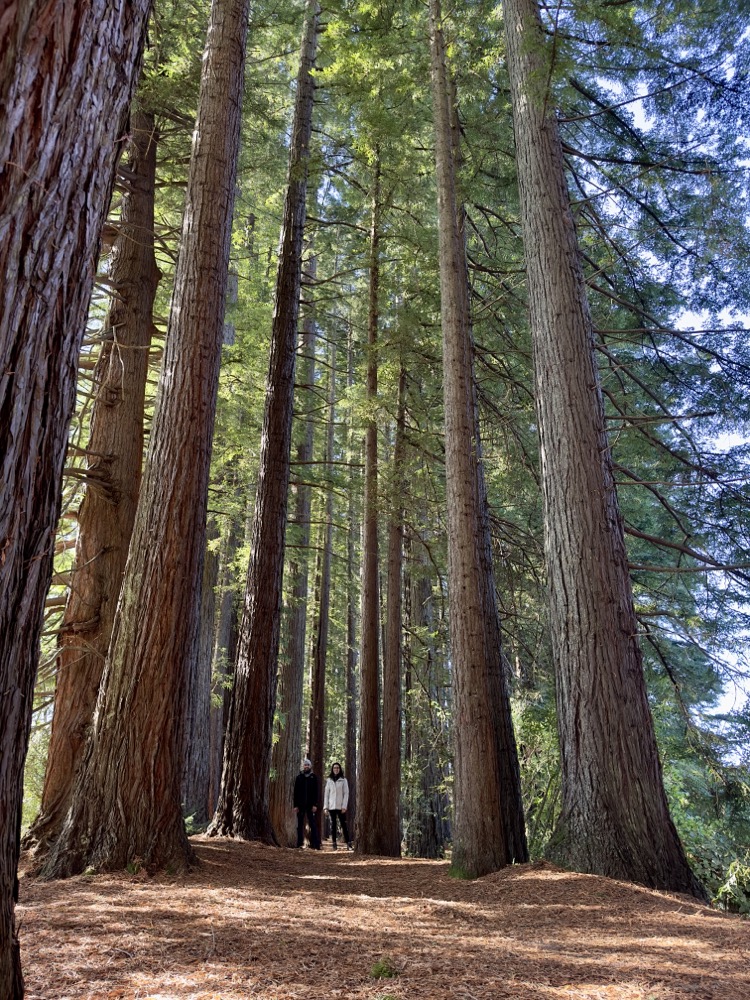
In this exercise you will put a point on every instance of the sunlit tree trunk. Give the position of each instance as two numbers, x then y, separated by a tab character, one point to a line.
126	805
285	761
615	820
489	827
67	74
392	658
115	447
243	808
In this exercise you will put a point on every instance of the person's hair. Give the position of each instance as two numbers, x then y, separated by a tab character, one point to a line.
341	770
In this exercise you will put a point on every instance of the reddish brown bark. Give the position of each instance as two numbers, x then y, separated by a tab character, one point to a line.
285	762
243	808
126	806
392	652
67	73
369	807
489	826
320	647
615	819
107	513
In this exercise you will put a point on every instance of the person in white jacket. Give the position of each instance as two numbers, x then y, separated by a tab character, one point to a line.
335	802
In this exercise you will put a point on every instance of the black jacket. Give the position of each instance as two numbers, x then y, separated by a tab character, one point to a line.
305	790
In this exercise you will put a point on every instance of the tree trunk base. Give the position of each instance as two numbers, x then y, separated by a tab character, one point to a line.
580	851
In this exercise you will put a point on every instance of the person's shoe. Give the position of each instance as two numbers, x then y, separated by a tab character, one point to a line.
350	846
335	848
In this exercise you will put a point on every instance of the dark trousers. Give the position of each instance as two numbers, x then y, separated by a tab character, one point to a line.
312	819
335	815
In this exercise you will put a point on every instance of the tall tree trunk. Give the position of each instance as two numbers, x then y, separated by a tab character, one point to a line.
351	626
67	75
225	647
320	648
107	513
392	658
489	827
615	820
196	776
127	803
369	806
243	808
426	810
285	761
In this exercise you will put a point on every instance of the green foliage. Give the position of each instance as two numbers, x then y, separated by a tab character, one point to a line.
384	968
33	777
734	893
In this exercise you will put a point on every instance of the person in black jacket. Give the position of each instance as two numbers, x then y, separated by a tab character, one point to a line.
306	804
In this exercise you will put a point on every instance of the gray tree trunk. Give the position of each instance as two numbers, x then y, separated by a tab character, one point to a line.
243	808
107	513
489	827
126	806
67	74
197	777
615	820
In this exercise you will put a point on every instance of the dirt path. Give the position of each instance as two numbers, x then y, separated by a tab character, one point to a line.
255	921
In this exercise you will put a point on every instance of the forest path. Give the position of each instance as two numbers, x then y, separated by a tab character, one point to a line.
255	921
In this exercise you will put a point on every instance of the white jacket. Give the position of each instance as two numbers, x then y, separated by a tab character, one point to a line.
336	794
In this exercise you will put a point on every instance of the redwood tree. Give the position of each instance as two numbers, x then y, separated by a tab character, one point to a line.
369	805
127	804
286	750
67	74
113	477
243	808
489	826
615	819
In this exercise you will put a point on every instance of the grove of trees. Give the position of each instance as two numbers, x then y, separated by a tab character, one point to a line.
447	483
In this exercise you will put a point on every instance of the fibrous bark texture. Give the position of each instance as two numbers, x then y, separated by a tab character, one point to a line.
489	827
369	839
126	805
107	513
243	808
615	820
67	73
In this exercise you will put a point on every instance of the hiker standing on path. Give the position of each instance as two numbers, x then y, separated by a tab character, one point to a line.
306	804
335	802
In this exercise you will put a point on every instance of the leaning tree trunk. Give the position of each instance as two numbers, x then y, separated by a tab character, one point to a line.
489	828
369	808
392	658
320	647
126	804
285	762
615	820
243	808
67	74
113	475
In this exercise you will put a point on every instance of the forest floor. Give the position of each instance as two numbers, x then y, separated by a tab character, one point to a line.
256	921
